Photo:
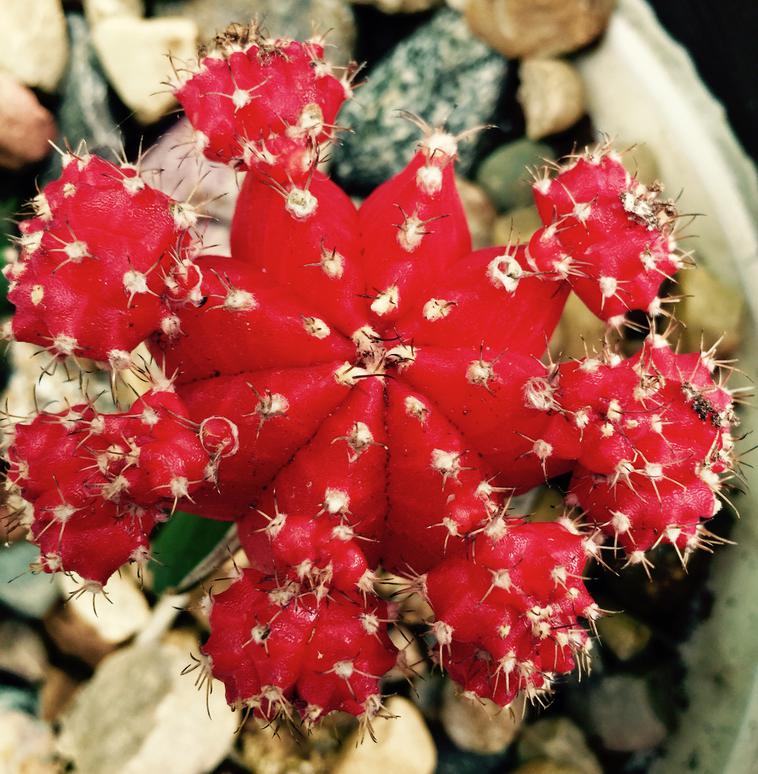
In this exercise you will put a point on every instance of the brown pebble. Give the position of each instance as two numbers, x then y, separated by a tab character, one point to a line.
25	126
57	691
75	638
551	95
521	28
480	213
399	6
478	725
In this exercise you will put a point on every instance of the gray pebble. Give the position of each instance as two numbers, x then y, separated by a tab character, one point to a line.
559	740
621	713
441	73
31	594
84	112
504	175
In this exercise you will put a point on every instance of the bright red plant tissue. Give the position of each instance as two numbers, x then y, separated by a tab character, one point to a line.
362	393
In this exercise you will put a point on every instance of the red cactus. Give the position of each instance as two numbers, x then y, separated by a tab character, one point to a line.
264	103
374	390
610	235
513	621
263	648
651	468
94	261
100	482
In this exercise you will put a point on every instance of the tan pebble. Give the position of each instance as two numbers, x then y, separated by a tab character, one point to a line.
516	225
403	743
33	41
579	332
264	751
551	95
116	614
521	28
478	725
711	310
184	640
140	711
479	210
134	54
26	745
561	742
97	10
22	652
29	386
410	660
57	691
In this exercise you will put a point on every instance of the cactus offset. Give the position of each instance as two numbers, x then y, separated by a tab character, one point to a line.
100	482
362	393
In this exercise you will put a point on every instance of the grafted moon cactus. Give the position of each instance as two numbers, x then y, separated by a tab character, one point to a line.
362	394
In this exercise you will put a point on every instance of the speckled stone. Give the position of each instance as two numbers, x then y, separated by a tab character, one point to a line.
441	73
84	112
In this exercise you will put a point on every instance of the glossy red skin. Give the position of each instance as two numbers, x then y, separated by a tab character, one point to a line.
386	262
328	462
269	335
288	250
482	314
